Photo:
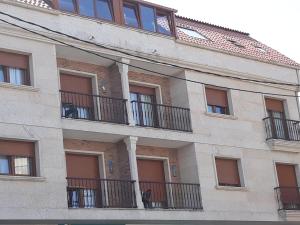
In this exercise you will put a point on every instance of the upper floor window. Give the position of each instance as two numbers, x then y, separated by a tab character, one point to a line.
147	17
228	172
17	158
130	15
92	8
14	68
217	101
68	5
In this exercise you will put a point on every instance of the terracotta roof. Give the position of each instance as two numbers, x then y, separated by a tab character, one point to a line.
231	41
38	3
218	38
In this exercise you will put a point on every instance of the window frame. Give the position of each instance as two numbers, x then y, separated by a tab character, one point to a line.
96	16
111	9
12	168
156	10
136	9
228	110
242	184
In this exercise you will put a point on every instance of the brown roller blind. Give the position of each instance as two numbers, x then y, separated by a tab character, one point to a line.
142	90
82	166
76	84
216	97
14	60
286	175
16	148
274	105
151	170
228	172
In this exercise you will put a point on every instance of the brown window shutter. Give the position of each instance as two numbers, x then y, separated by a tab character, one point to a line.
228	172
76	84
82	166
286	175
17	148
14	60
142	90
274	105
216	97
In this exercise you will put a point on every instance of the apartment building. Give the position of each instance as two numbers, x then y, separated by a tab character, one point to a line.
122	112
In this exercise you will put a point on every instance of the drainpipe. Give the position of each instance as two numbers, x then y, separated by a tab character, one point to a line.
298	91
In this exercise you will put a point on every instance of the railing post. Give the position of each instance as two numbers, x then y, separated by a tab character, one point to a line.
131	148
123	70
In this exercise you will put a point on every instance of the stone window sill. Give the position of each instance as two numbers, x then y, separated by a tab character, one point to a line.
231	117
19	87
228	188
22	178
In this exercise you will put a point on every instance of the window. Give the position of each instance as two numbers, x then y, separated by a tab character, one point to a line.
217	101
14	68
104	9
130	16
192	33
4	165
228	172
17	158
67	5
163	25
236	43
86	8
148	18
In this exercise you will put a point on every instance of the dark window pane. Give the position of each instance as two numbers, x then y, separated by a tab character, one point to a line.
4	165
17	76
1	74
22	166
86	8
220	110
103	9
148	18
163	25
130	16
67	5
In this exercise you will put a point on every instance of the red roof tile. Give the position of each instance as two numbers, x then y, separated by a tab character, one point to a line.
219	38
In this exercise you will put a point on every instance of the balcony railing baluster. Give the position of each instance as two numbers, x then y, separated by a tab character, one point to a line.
100	193
278	128
161	116
288	198
171	195
93	107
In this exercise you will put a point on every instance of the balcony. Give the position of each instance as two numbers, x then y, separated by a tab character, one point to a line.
288	198
100	193
93	107
161	116
170	195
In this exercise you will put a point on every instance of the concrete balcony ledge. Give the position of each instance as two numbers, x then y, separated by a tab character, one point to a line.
223	116
18	87
284	145
22	178
228	188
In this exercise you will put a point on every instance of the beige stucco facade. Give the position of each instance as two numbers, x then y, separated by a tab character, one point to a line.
34	114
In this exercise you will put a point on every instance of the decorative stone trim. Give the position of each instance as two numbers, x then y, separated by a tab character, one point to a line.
22	178
283	145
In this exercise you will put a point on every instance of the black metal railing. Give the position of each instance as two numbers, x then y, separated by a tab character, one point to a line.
288	198
161	116
100	193
93	107
278	128
171	195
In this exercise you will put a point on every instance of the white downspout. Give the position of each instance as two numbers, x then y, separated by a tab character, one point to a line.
298	91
